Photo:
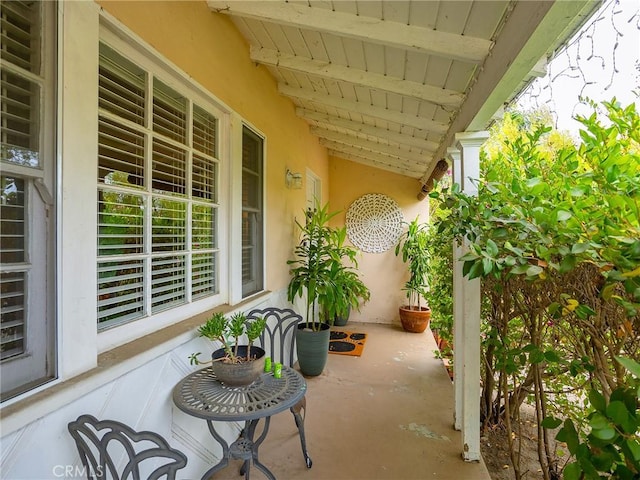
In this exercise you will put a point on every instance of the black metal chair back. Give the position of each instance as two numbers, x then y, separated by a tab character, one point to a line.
279	336
111	450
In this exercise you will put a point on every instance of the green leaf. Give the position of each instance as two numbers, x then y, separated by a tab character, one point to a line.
475	271
599	422
492	248
569	435
552	356
603	461
631	365
551	422
608	433
579	248
520	269
563	215
536	356
534	270
617	411
634	448
487	265
597	400
572	471
567	264
584	311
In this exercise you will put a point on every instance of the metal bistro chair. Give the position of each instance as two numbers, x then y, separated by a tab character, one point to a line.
279	339
102	445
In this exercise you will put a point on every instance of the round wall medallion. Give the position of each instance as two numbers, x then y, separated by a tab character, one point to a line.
374	223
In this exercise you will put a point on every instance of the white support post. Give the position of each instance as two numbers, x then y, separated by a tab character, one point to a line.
468	312
458	327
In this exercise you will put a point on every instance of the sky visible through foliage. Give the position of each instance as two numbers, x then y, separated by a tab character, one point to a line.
600	62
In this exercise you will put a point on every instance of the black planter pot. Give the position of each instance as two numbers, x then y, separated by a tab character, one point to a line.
312	348
340	320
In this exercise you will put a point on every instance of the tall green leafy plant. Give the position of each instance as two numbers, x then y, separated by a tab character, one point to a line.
412	244
319	274
439	296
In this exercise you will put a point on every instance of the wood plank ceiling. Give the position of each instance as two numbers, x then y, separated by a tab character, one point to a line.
388	83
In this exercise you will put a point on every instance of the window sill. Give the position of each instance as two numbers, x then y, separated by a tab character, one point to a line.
111	365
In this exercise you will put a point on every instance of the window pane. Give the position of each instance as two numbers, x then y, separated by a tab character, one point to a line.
250	227
167	282
203	234
12	216
120	155
251	191
20	27
12	290
169	225
169	112
120	223
204	275
20	120
252	234
120	291
121	86
205	129
169	168
204	178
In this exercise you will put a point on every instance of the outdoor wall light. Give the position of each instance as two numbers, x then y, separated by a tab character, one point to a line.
293	180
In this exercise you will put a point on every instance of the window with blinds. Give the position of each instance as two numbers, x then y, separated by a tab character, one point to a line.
252	213
157	194
27	84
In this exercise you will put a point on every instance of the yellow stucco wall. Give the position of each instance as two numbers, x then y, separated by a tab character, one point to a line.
383	273
209	48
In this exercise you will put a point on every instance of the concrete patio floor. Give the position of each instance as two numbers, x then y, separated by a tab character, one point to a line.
385	415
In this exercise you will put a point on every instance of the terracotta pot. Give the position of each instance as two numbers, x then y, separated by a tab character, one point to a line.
414	320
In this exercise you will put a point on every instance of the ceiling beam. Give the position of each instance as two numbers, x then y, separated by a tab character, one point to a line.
366	29
356	127
418	160
399	162
363	109
332	71
373	163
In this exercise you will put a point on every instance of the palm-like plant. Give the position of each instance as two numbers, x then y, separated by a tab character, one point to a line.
318	270
413	245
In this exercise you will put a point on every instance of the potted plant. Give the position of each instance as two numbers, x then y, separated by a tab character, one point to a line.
351	293
413	246
233	364
319	276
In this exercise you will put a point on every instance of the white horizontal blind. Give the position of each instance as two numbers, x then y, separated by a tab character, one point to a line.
157	194
12	251
21	83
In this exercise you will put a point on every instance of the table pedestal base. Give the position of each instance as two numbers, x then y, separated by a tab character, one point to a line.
244	448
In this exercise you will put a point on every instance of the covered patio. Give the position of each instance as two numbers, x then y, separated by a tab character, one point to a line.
163	152
387	414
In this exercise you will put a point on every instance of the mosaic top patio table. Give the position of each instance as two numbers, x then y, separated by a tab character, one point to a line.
201	395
